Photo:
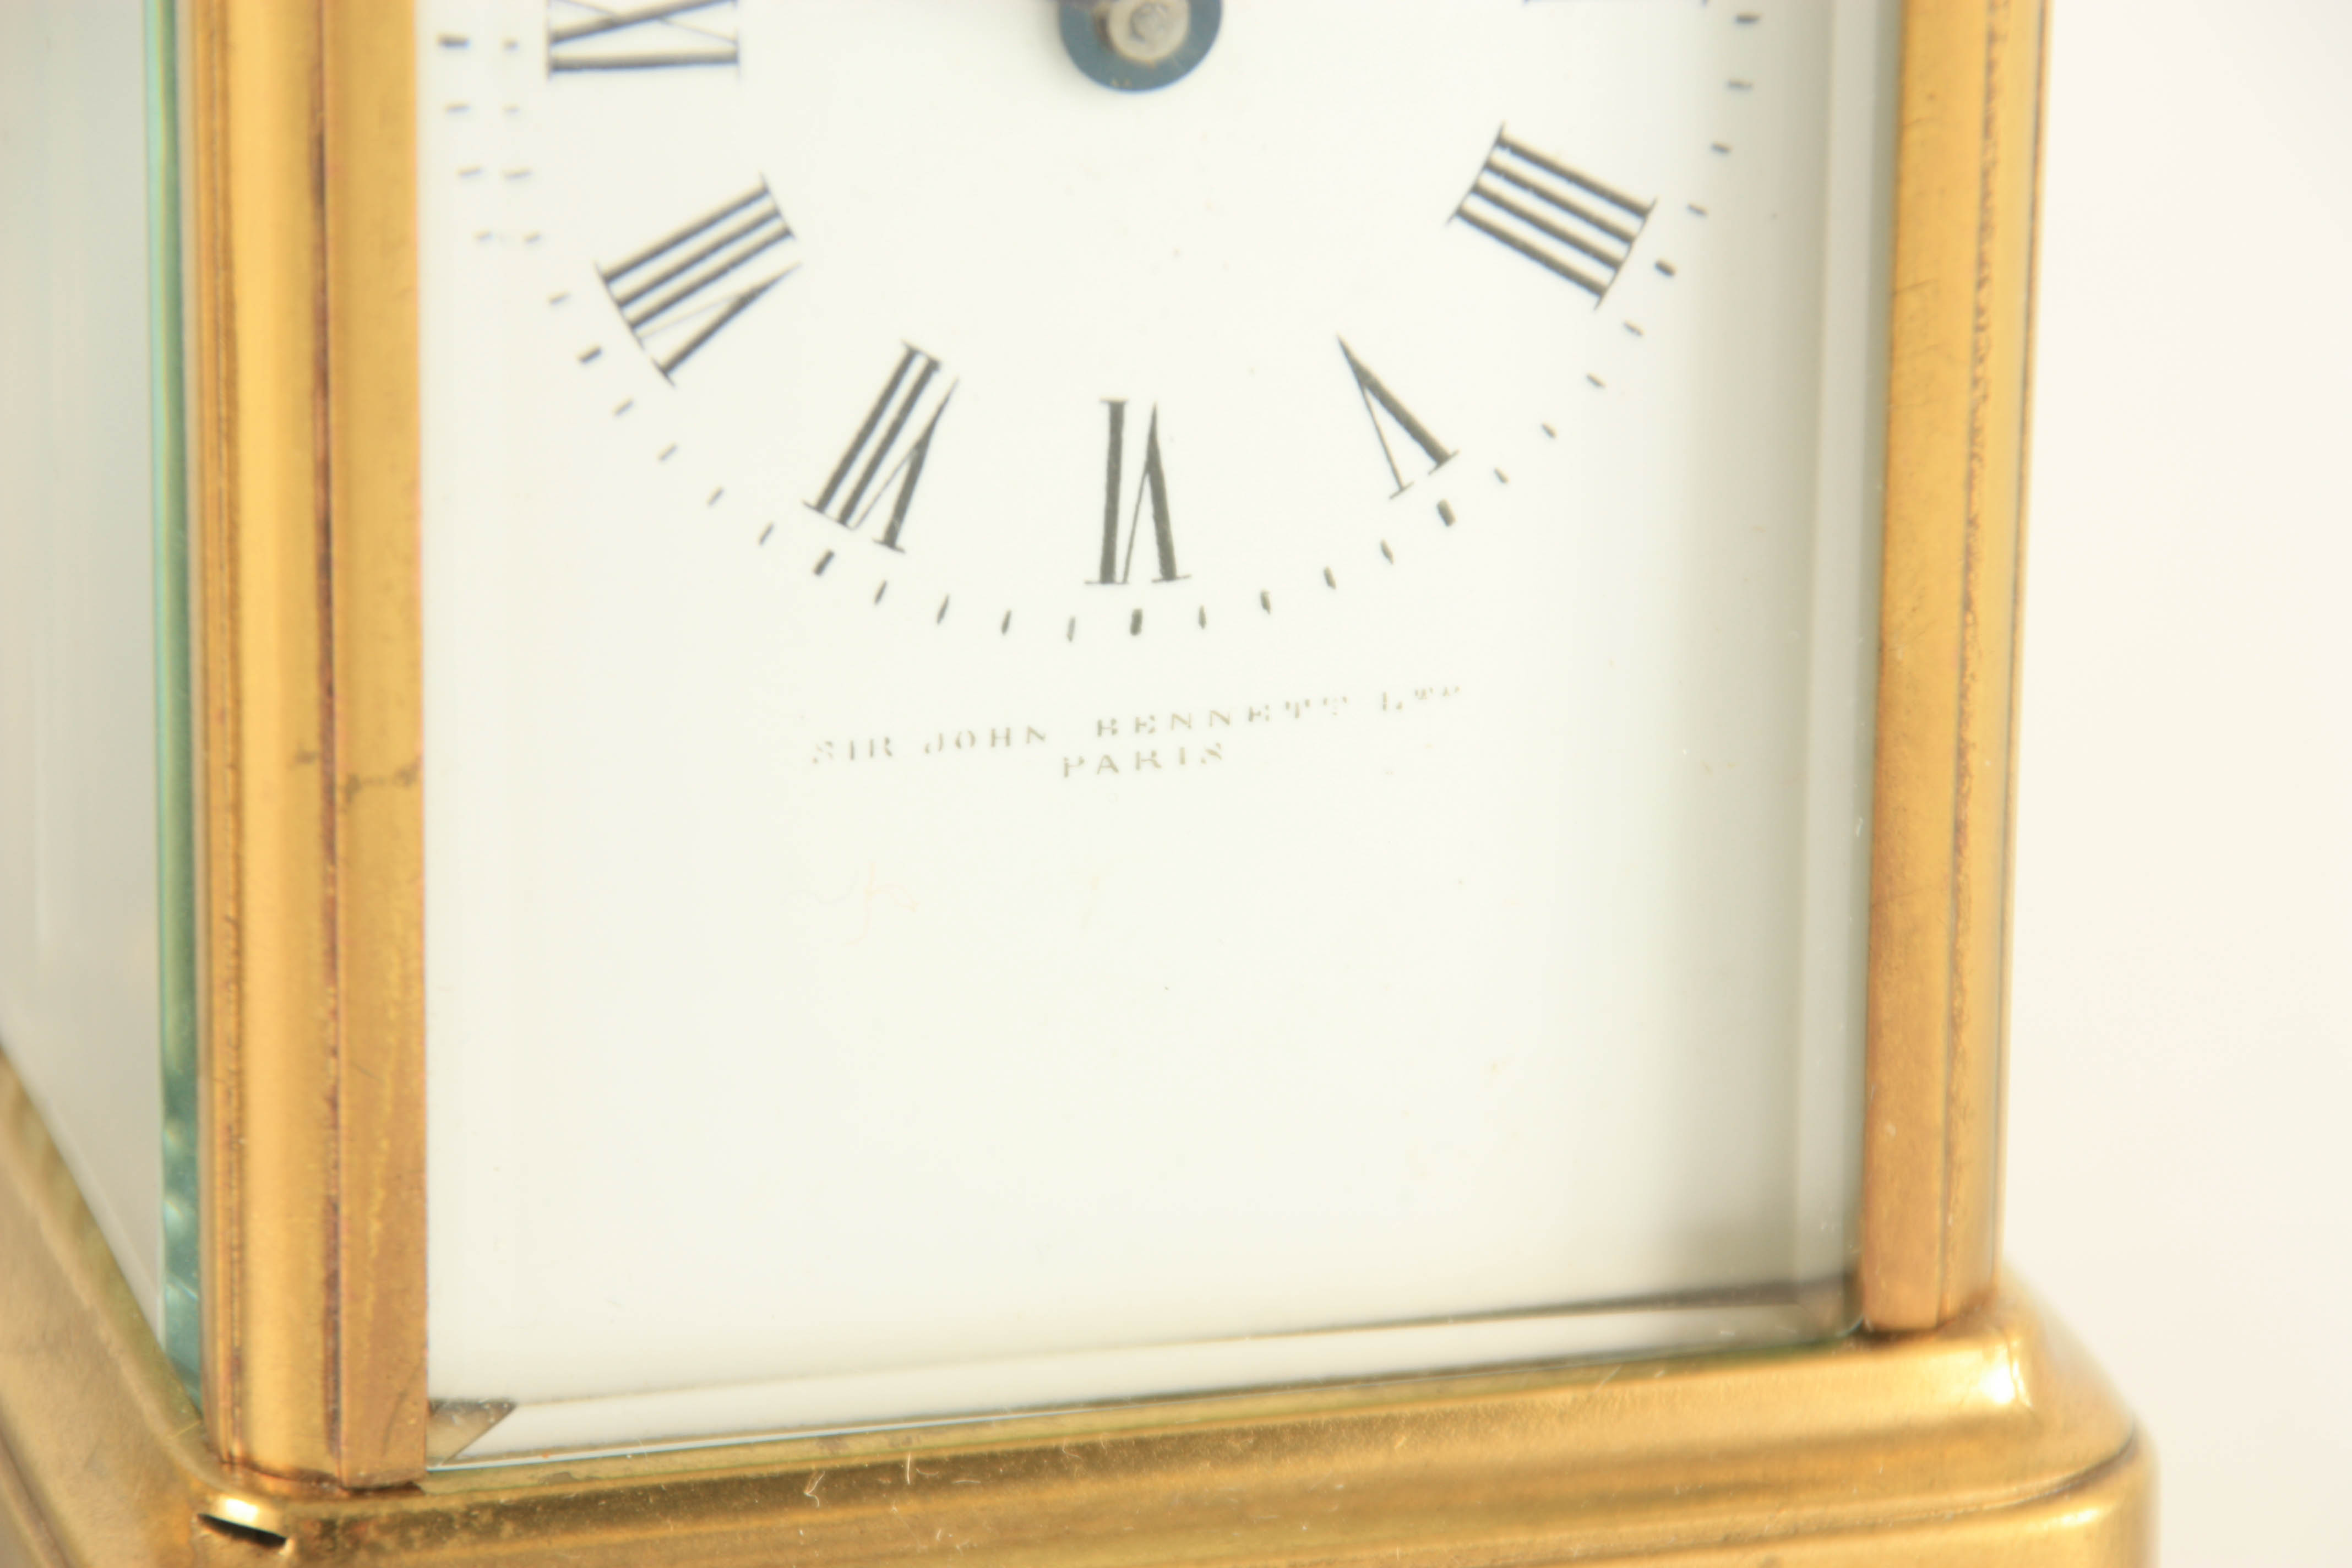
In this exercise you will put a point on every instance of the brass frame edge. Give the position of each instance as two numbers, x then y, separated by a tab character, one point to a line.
257	551
1993	1439
375	507
304	490
1968	176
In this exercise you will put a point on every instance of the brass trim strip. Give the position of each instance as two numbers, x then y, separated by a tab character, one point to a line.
375	507
259	553
1967	171
303	258
1994	1440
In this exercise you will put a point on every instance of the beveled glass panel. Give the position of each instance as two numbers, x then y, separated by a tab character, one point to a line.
1090	744
81	1003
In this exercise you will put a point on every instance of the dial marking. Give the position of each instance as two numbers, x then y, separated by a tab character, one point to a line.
1566	222
1378	398
678	293
889	417
581	37
1151	486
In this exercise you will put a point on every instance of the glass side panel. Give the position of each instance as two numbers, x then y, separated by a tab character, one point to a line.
1090	744
79	1008
175	862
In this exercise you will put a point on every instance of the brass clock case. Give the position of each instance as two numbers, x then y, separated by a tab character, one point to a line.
1961	1425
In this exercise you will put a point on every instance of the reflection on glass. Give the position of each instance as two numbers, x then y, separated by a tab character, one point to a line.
175	822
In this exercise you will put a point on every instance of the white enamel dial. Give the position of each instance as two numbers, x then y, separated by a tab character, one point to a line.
1072	722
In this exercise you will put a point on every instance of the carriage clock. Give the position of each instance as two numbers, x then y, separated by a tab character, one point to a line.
1022	782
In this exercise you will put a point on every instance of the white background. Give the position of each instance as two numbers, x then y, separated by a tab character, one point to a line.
2182	1028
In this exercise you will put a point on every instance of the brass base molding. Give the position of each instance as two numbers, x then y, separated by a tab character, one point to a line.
1992	1440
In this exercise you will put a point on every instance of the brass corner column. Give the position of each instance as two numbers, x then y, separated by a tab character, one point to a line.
1968	162
302	253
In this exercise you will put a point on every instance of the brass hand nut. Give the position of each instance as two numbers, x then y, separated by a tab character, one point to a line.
1144	31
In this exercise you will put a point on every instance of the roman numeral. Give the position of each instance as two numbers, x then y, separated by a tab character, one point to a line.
1564	221
1379	399
1153	487
877	441
581	37
678	293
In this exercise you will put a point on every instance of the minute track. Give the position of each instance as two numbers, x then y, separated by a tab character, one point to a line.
879	478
